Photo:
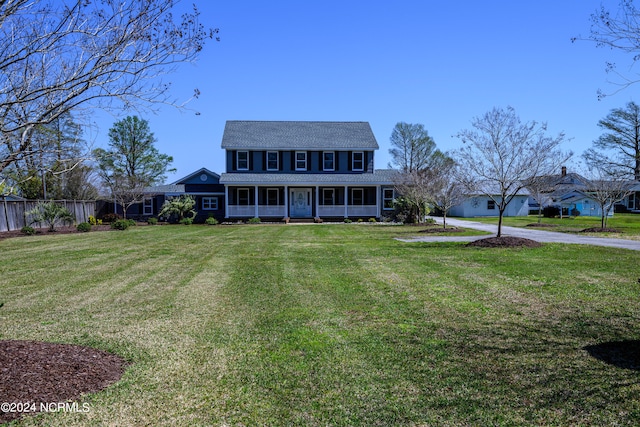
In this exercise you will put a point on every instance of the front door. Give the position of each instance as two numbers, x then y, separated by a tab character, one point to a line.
301	203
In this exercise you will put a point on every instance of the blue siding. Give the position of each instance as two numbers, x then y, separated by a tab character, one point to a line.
286	162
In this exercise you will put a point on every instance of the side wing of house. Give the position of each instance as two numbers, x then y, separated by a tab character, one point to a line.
204	186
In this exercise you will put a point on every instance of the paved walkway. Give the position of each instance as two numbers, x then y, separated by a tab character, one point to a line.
528	233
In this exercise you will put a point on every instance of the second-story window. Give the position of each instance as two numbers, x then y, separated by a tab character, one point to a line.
328	163
272	161
301	160
242	160
357	163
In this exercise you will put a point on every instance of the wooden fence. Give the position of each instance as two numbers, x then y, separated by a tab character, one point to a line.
13	213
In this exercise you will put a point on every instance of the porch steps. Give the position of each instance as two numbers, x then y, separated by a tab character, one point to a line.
301	221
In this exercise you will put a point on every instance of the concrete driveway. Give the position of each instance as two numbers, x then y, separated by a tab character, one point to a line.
527	233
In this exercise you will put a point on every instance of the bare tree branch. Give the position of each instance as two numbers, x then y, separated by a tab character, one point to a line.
56	56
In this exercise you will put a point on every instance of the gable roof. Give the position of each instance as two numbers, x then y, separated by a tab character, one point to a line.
196	173
287	135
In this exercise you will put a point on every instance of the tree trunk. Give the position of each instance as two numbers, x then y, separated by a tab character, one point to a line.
444	221
500	223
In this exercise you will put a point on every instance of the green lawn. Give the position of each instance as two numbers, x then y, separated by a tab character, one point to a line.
628	224
330	325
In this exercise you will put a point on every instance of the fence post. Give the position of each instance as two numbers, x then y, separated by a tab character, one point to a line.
6	213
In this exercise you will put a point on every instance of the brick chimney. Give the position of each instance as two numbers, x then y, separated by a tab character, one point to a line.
564	171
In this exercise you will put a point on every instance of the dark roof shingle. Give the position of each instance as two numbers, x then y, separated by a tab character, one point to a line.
286	135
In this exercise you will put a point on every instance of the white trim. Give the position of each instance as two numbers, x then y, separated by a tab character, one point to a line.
149	206
238	160
333	161
361	190
307	203
256	195
210	199
286	201
226	201
243	189
353	161
333	196
277	168
384	199
296	161
277	190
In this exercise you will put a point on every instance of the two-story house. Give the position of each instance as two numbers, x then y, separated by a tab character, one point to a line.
299	169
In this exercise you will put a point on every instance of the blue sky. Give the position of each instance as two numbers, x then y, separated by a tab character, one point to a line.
438	63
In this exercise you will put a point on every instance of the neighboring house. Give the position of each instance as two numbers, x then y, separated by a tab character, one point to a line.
300	169
581	202
570	191
483	205
203	185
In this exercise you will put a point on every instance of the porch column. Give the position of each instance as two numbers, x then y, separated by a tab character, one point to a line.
256	202
226	201
317	215
346	201
286	201
378	198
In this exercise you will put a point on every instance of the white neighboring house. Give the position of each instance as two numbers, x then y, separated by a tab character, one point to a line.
483	205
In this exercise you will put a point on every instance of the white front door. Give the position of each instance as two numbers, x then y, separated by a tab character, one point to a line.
301	203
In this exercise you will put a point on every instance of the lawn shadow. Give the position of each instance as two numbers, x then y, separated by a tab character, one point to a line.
623	354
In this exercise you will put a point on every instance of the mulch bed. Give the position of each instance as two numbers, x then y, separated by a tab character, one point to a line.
59	230
541	225
600	230
441	230
505	242
46	373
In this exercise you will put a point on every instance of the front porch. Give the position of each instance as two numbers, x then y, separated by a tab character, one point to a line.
307	202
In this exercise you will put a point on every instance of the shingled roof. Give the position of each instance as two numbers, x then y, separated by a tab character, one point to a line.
378	177
287	135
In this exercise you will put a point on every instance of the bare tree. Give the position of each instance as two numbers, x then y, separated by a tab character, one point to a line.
444	187
617	30
414	195
59	56
501	154
607	189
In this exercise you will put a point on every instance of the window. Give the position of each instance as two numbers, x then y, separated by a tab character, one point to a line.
632	201
387	198
327	161
242	160
357	163
301	160
491	205
209	203
272	161
357	196
273	196
147	206
328	196
243	196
